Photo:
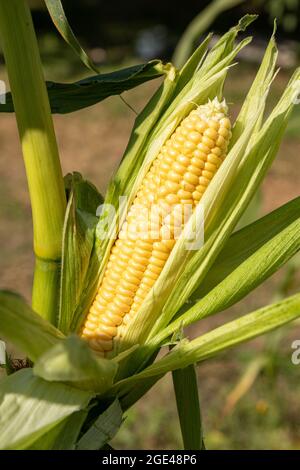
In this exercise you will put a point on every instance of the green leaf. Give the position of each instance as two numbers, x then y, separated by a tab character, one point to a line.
254	238
58	16
78	243
130	396
197	27
188	407
31	407
27	330
253	211
70	97
104	428
73	362
220	339
64	435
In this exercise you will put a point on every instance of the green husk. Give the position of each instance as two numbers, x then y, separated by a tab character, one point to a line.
68	384
78	244
197	27
59	18
201	87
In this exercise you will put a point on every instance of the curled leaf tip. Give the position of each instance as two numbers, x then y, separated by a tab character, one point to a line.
245	21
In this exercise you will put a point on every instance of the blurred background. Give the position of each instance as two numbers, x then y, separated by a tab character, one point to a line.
250	396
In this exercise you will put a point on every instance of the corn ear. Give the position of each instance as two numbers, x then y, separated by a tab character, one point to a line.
153	127
176	181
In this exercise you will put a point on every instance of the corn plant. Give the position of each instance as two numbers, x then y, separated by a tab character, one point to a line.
105	303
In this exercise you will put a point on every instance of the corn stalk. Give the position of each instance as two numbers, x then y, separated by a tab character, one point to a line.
39	149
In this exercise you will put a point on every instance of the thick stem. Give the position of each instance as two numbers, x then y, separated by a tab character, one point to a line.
39	147
46	283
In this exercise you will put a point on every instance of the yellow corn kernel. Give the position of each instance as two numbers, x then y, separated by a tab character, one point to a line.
178	178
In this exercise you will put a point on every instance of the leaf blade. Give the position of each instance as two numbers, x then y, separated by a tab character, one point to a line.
188	407
69	97
244	269
220	339
20	324
60	21
29	407
104	428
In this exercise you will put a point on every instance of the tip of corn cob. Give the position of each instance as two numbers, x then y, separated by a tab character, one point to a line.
213	109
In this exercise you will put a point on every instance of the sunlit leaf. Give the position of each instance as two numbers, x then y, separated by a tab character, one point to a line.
220	339
30	407
64	435
27	330
201	88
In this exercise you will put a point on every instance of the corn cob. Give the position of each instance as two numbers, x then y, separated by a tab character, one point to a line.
177	179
